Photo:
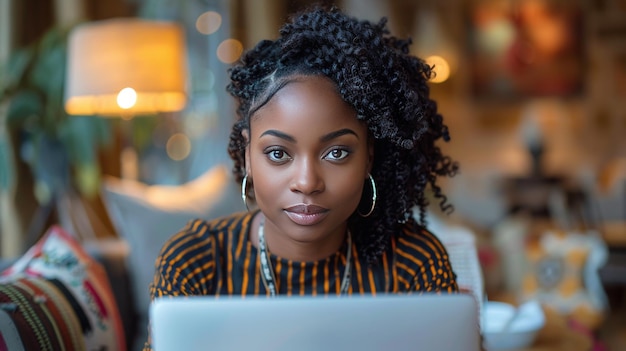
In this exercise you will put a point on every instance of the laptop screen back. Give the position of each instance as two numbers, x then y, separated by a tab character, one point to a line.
384	322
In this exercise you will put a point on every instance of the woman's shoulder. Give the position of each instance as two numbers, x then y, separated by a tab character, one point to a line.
203	234
416	242
218	225
423	260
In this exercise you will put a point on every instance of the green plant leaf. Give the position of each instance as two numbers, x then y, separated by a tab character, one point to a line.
48	75
142	129
27	104
13	72
61	150
6	164
83	136
80	136
49	162
88	178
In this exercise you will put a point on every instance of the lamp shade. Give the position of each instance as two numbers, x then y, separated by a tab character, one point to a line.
105	57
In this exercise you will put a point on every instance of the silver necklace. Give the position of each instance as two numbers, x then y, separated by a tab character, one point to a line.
267	272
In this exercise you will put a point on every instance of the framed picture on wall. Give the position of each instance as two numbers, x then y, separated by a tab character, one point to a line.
525	48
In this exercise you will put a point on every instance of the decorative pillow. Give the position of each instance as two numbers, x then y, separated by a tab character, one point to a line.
147	215
563	274
57	297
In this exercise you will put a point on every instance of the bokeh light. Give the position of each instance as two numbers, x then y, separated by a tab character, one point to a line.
208	22
229	50
441	68
178	147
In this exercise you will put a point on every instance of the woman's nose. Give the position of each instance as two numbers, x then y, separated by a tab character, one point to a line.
307	178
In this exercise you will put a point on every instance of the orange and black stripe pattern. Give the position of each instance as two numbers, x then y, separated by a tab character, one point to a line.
216	258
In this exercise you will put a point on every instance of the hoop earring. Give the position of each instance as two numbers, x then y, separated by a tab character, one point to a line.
373	198
244	188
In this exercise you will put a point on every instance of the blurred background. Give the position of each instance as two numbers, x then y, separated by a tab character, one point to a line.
533	92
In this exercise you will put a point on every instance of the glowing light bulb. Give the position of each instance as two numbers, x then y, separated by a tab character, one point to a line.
127	98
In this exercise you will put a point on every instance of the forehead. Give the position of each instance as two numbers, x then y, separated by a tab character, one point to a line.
306	100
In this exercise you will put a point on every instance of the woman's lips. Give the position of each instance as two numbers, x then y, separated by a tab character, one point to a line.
306	214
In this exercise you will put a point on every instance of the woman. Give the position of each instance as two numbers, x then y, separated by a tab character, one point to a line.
335	145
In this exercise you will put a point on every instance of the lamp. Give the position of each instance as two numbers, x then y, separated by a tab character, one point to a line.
125	67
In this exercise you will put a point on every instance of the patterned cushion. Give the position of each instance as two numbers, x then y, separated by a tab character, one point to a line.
57	297
563	274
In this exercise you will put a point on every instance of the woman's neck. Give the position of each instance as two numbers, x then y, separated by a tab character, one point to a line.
287	248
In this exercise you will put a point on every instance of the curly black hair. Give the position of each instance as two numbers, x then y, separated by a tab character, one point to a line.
376	75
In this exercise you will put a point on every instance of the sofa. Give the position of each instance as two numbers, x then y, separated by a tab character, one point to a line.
106	280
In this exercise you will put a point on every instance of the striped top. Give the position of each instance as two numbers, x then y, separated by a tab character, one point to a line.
217	258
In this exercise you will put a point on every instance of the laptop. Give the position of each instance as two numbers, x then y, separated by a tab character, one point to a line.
368	323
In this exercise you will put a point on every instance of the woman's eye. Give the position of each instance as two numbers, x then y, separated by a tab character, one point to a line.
277	155
337	154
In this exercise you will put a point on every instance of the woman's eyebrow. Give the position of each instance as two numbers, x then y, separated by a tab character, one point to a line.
338	133
278	134
324	138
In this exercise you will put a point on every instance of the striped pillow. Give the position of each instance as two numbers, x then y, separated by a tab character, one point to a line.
56	297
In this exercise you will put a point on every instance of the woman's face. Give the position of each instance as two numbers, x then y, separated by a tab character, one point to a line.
308	158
